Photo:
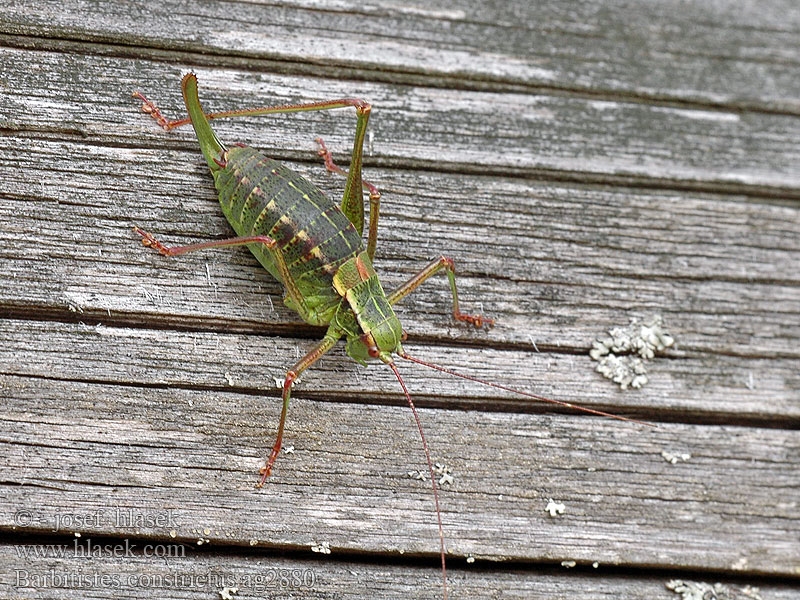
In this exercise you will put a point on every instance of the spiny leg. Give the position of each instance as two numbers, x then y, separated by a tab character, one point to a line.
334	168
440	263
374	197
151	242
151	109
292	374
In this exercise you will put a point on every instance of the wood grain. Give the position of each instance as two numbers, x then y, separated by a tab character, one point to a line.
556	265
441	129
727	52
202	573
584	165
91	444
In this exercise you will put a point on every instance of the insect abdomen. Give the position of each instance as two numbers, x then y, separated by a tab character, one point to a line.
260	196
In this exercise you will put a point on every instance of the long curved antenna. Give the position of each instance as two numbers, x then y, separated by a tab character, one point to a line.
430	470
515	391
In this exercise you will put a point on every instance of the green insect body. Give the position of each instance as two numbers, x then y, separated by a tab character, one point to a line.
259	196
318	254
323	253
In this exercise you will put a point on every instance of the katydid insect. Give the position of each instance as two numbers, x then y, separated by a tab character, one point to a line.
314	248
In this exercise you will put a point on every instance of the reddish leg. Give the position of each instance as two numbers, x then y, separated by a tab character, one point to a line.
328	342
151	109
440	263
309	359
323	151
151	242
374	197
292	290
353	202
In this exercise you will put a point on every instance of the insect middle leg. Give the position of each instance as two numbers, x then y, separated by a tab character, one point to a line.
440	263
374	197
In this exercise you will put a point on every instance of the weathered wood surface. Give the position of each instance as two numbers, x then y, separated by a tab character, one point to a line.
577	138
626	504
727	52
206	573
724	273
584	165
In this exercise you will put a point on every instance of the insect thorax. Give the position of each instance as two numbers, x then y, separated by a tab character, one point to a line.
366	318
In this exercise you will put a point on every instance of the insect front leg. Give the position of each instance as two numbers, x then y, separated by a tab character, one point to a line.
440	263
292	374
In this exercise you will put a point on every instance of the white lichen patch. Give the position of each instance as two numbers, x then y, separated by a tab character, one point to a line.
740	564
418	475
227	593
446	474
323	548
555	508
623	354
697	590
279	381
674	458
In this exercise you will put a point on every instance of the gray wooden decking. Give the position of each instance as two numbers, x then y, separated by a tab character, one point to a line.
584	164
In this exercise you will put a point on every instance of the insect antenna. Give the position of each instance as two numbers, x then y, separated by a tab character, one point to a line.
430	470
521	392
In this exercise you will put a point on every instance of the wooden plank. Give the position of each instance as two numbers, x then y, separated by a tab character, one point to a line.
203	575
76	447
557	264
709	389
727	52
85	98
